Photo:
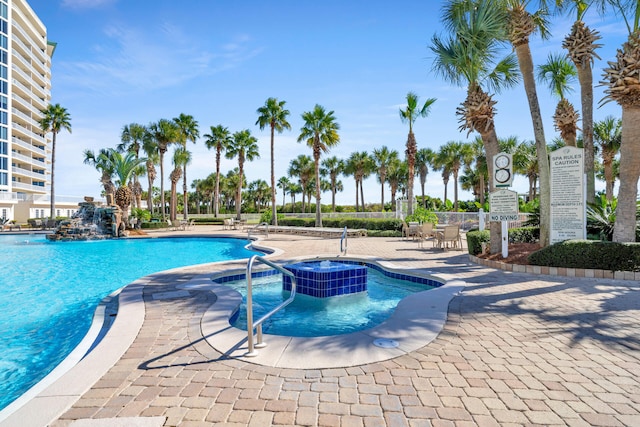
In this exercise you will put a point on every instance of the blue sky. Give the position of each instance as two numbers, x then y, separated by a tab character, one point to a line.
119	62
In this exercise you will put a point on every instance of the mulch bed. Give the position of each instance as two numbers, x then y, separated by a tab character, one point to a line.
518	253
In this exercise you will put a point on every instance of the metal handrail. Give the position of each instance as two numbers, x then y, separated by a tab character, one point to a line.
266	224
251	325
343	251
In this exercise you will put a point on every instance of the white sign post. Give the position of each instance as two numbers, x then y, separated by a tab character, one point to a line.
503	206
568	219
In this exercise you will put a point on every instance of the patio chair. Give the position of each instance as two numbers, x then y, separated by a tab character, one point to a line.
426	232
450	234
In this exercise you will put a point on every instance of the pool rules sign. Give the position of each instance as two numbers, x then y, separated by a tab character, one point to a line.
568	217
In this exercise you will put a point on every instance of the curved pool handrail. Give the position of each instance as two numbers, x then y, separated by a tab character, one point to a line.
343	250
257	325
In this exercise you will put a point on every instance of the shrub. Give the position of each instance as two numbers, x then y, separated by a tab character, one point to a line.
598	254
380	224
475	239
154	225
422	215
524	235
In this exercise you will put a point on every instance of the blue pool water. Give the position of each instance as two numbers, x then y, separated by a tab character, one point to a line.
309	316
50	290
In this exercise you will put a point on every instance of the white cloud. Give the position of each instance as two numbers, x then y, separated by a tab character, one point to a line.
128	59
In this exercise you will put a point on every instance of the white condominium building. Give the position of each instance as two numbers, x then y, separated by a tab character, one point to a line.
25	90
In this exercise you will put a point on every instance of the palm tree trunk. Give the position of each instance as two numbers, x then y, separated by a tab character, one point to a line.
411	163
150	195
216	195
525	61
52	206
164	214
318	207
357	196
607	162
455	190
273	182
362	194
239	192
185	197
585	77
625	225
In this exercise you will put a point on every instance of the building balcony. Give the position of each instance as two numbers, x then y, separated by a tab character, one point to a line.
30	147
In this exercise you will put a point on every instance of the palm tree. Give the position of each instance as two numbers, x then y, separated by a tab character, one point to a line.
481	168
559	73
181	158
302	168
187	131
424	158
273	114
150	148
320	132
220	139
104	165
607	134
455	155
284	184
54	119
244	146
581	46
333	167
521	25
382	157
163	133
397	177
621	79
409	115
132	138
123	167
442	162
472	56
525	162
359	165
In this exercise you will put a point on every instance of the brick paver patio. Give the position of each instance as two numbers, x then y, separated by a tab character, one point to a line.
517	349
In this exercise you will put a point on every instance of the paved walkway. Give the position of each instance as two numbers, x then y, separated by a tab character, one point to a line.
516	349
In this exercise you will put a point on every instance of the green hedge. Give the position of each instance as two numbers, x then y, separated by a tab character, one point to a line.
596	254
475	239
154	225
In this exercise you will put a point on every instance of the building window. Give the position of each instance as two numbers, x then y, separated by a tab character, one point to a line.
42	213
4	148
3	11
57	212
3	132
4	178
3	102
3	117
4	213
4	163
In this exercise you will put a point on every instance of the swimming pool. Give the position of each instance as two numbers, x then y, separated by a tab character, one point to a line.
50	290
309	316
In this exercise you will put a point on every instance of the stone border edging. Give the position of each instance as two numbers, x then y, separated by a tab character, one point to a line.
557	271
